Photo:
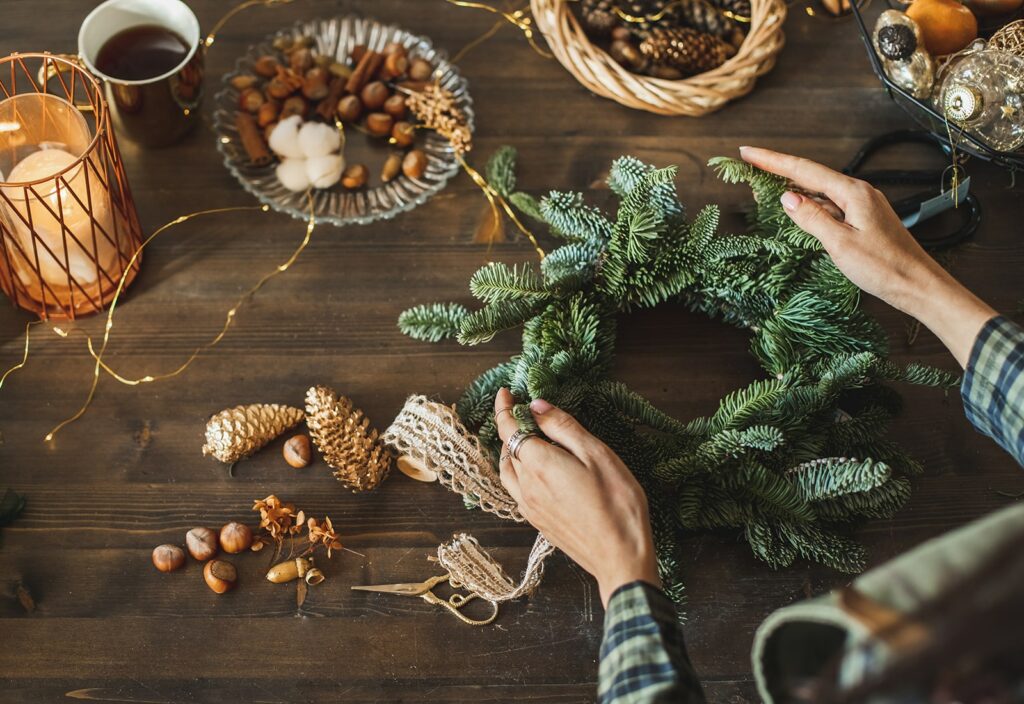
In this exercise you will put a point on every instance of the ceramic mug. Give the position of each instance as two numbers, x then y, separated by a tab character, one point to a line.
155	111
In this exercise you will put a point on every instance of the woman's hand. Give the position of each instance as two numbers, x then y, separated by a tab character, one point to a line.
580	496
875	251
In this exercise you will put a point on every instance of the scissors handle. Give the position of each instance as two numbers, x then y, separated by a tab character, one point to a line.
455	604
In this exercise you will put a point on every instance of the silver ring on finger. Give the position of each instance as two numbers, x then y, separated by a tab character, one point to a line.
498	412
515	442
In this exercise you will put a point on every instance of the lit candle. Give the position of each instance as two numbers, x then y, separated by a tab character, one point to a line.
62	224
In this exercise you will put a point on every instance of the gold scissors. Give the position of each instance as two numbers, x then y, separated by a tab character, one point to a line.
424	590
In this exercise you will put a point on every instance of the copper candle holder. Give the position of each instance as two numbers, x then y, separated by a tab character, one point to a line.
68	225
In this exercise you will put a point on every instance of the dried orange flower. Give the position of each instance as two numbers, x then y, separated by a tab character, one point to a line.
323	534
276	518
436	108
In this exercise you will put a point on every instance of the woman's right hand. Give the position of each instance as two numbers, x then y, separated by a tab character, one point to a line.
875	251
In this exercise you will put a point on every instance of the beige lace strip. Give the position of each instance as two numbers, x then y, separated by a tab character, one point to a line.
430	436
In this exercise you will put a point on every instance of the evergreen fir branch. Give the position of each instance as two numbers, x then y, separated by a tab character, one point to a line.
527	204
501	170
744	405
499	282
881	502
570	266
571	219
828	548
432	322
477	402
776	495
829	477
482	325
766	543
639	411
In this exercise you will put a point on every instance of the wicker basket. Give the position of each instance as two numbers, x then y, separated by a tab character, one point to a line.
694	96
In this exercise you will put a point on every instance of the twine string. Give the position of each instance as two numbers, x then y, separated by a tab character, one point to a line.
212	36
496	201
520	19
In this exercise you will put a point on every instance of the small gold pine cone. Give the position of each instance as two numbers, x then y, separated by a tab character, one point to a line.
344	437
237	433
686	50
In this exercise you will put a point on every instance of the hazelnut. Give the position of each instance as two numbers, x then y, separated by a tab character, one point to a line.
420	70
396	64
220	575
626	54
244	81
314	86
379	124
235	537
284	42
392	167
403	134
279	88
268	113
414	165
297	451
202	543
374	94
250	100
395	106
349	108
168	558
266	66
301	60
394	48
295	105
354	177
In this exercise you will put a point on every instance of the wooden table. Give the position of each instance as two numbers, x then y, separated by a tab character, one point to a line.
129	475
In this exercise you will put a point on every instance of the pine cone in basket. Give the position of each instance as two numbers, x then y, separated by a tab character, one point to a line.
599	18
643	16
740	8
705	17
344	436
686	50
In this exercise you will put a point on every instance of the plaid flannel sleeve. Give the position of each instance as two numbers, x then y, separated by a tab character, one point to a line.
643	658
993	386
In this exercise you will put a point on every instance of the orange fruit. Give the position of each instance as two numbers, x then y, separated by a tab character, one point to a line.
946	25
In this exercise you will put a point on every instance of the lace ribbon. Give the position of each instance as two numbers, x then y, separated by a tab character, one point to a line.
432	437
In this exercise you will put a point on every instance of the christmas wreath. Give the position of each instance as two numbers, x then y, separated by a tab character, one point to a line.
790	459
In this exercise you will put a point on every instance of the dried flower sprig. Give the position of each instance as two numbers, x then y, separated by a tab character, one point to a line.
436	108
278	518
323	534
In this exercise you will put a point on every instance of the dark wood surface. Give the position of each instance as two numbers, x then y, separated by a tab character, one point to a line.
129	475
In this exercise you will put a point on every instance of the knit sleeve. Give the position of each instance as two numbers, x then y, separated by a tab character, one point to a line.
993	386
643	657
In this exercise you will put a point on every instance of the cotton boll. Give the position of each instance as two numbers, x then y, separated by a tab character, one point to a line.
318	139
284	138
292	174
324	171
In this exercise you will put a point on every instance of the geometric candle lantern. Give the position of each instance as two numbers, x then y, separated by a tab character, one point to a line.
68	226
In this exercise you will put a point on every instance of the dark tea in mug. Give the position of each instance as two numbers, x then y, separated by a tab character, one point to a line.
141	52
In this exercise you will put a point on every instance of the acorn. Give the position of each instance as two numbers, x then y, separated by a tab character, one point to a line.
168	558
392	167
379	124
349	108
420	70
374	94
298	451
314	85
202	543
220	575
355	176
290	570
266	66
403	134
395	106
414	165
235	537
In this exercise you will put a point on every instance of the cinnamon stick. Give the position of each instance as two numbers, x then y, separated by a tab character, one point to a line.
364	72
327	106
252	139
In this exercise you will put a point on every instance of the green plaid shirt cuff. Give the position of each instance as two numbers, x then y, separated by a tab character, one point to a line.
643	658
993	386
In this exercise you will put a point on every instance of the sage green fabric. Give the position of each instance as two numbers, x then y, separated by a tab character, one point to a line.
799	641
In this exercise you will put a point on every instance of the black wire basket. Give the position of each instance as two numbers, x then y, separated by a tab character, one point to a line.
929	118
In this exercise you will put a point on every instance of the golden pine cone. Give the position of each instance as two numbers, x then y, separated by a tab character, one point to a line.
344	437
686	50
236	433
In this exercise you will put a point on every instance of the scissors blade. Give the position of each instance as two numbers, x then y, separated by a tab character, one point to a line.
403	588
